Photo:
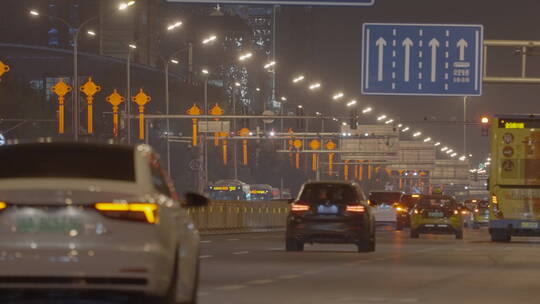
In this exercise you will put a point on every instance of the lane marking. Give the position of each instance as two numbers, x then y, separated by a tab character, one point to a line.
260	282
233	240
207	256
230	287
241	252
206	242
203	294
289	276
275	249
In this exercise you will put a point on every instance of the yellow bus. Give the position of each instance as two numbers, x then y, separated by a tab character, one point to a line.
514	182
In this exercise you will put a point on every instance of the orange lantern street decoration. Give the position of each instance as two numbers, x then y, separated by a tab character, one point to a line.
61	89
90	89
290	144
330	146
115	100
194	111
346	170
216	111
224	141
4	68
297	145
244	133
141	99
360	170
314	145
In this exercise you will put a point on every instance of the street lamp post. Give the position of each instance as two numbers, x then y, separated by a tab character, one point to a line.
206	73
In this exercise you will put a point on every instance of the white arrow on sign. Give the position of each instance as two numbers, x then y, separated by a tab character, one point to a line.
381	43
434	44
462	45
407	43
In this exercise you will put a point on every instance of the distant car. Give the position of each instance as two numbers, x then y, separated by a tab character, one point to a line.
481	215
90	217
384	203
330	212
403	208
436	214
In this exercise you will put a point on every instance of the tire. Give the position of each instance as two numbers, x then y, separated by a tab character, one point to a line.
500	237
414	233
293	245
367	244
459	235
169	298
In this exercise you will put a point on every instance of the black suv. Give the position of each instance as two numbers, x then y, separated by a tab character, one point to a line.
330	212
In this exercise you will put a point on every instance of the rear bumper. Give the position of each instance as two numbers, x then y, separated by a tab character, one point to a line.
515	227
146	268
326	232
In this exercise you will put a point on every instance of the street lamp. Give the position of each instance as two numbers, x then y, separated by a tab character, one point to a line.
245	56
389	121
367	110
382	117
209	39
427	139
269	65
338	96
76	33
418	133
352	103
298	79
437	144
314	86
174	25
406	129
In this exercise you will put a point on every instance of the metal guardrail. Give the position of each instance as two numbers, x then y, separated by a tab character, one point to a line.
237	217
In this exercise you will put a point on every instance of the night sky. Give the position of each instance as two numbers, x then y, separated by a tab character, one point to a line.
326	44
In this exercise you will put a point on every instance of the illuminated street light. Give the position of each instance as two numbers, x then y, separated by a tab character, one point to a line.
437	144
258	89
315	86
125	5
283	98
400	125
453	155
417	134
318	113
300	106
462	158
91	33
132	46
34	13
406	129
352	103
444	149
270	64
298	79
175	61
245	56
367	110
205	71
175	25
237	84
338	96
209	39
344	123
381	117
389	121
449	151
427	139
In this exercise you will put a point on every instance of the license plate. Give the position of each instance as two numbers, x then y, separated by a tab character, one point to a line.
327	209
533	225
435	214
48	224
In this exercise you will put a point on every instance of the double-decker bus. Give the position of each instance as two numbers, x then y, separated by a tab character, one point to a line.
514	182
229	190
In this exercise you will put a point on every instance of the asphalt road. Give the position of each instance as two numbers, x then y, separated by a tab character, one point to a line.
254	268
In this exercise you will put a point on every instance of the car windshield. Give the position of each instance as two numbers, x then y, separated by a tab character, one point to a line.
323	193
67	161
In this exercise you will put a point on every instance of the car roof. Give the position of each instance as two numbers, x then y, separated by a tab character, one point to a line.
330	183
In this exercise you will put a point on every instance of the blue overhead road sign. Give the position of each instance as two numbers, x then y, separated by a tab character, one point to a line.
422	59
285	2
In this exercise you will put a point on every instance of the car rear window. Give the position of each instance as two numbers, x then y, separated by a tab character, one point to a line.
67	161
321	193
437	203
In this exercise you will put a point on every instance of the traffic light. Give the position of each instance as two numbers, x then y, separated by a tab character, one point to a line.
485	121
353	122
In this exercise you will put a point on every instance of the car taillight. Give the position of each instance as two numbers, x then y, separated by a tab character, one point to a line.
356	208
299	207
138	212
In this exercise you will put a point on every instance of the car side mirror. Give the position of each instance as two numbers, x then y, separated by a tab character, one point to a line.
195	200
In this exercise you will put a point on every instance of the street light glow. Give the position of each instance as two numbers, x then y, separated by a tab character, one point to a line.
389	121
270	64
400	125
352	103
245	56
462	158
381	117
283	98
338	96
437	144
344	123
298	79
125	5
174	25
237	84
132	46
418	133
209	39
34	13
91	33
315	86
258	89
205	71
175	61
427	139
300	106
449	151
444	149
406	129
453	155
367	110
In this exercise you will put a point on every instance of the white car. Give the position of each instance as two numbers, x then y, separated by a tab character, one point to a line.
91	217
